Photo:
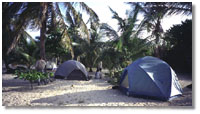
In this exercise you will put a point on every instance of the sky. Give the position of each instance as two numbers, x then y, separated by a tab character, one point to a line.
105	15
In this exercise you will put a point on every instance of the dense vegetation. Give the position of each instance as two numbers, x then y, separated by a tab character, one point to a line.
66	36
179	46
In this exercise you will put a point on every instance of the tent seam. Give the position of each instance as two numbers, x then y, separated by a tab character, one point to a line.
153	81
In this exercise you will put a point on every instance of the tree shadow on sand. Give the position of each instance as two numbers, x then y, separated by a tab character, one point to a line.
92	98
18	85
110	96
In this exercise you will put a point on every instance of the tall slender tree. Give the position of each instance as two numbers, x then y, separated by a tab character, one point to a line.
19	16
154	12
43	18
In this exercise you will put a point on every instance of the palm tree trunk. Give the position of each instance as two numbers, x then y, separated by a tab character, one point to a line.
53	17
43	18
16	39
71	50
157	35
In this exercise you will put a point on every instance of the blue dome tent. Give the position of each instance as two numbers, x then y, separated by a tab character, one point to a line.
150	77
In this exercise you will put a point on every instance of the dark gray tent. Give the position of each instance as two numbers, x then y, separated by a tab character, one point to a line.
72	70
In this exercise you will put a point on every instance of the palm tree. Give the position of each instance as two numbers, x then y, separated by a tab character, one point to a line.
127	46
154	12
17	17
76	26
93	51
126	27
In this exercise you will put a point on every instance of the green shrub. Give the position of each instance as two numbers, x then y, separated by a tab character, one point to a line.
51	74
33	76
115	77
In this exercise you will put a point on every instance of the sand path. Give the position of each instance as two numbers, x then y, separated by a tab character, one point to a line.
95	92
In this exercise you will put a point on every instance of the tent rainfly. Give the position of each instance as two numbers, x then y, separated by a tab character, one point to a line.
71	70
150	77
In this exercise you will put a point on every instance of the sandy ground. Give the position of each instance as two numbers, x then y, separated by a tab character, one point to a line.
95	92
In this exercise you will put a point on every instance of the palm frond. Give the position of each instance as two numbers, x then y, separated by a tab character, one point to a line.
109	31
27	35
77	19
25	55
61	18
89	11
121	22
184	8
69	19
66	42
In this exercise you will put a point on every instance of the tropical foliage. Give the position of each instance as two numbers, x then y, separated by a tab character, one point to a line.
45	17
153	13
179	46
126	47
64	34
